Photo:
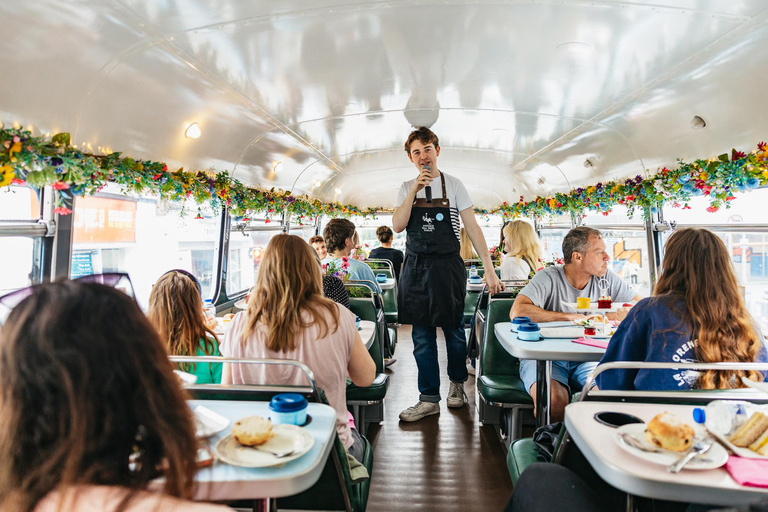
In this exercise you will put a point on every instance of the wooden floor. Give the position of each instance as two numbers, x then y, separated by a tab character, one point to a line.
445	462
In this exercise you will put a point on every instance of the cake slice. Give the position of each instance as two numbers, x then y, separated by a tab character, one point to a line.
749	432
761	445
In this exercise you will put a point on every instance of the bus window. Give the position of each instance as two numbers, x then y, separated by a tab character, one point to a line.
247	243
19	252
747	245
144	237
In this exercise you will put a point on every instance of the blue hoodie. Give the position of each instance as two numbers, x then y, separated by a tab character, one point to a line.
654	331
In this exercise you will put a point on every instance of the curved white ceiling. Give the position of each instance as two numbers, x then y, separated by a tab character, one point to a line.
520	93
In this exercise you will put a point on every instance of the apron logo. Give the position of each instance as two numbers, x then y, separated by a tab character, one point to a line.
439	216
427	226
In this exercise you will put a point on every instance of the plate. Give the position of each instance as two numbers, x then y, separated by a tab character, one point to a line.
593	307
714	458
208	423
241	304
283	438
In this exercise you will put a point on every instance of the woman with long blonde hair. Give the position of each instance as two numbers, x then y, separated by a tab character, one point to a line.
465	247
523	251
176	310
696	314
288	318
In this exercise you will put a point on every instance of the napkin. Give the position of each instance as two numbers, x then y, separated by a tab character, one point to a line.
592	342
751	472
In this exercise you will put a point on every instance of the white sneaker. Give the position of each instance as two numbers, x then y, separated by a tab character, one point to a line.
456	395
470	368
420	410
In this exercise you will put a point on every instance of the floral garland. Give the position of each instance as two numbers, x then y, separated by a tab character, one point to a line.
39	161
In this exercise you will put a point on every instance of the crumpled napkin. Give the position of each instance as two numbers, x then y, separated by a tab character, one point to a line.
751	472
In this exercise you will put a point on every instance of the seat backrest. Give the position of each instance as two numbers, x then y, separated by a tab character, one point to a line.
366	310
494	359
381	267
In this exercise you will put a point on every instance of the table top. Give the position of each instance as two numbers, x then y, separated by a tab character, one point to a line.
367	332
641	478
224	482
388	284
547	349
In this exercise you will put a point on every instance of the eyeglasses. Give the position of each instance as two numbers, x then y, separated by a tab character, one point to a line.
115	280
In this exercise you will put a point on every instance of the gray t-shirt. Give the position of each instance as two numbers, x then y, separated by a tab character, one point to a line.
549	288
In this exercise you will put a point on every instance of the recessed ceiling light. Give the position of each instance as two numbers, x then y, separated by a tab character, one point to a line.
192	131
698	122
574	48
338	191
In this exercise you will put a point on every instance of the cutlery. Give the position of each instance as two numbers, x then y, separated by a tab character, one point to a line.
634	443
698	448
278	455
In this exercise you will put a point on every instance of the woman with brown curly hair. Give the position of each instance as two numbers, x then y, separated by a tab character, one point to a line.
176	310
696	314
90	410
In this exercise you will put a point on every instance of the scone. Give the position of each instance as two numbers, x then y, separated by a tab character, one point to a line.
252	431
668	432
749	432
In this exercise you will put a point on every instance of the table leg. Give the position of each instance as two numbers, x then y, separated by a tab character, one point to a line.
265	505
542	392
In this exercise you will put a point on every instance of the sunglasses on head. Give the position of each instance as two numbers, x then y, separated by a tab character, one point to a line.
117	280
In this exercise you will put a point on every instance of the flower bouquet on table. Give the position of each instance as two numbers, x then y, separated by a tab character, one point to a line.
337	268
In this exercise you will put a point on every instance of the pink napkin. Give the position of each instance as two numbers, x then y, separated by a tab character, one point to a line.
752	472
592	342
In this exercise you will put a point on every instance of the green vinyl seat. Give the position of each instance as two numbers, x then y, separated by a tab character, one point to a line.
498	382
521	454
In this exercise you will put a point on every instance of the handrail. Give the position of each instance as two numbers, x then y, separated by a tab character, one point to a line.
386	262
638	365
312	388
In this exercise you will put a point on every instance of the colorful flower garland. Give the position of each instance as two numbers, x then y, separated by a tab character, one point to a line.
39	161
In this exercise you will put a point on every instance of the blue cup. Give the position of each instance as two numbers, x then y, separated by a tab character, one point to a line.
288	408
529	332
518	321
357	322
382	278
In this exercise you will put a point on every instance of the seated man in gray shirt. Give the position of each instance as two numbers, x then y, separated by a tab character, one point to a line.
586	264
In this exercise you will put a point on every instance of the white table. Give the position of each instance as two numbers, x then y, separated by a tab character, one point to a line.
638	477
221	481
389	284
544	352
475	287
367	332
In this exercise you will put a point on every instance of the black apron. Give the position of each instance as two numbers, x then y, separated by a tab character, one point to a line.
433	282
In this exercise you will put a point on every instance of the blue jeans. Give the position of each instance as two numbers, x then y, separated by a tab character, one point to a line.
425	352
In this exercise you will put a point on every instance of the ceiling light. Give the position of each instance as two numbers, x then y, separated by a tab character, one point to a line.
338	191
192	131
698	122
574	48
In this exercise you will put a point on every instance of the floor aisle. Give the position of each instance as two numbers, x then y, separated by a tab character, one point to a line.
445	462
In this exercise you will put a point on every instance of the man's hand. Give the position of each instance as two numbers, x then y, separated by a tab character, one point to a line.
494	283
424	179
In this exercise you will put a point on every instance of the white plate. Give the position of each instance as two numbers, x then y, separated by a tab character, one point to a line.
713	458
241	304
593	307
284	437
208	423
760	386
738	450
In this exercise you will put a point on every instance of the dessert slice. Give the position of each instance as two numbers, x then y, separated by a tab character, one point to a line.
604	302
749	432
761	445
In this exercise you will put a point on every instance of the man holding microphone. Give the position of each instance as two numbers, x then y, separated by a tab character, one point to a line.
433	281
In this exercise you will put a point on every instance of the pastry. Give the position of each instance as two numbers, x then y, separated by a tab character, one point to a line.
668	432
583	303
604	302
252	430
749	432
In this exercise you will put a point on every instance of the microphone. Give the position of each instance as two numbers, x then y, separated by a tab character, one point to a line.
428	189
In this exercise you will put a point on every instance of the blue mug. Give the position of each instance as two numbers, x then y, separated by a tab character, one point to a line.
289	408
382	278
